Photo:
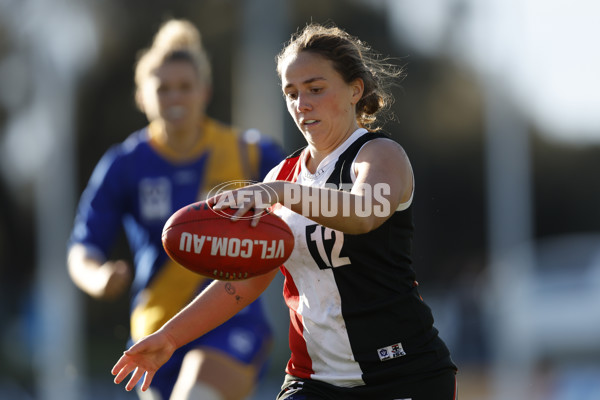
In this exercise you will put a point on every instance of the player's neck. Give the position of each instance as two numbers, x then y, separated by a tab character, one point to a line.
182	139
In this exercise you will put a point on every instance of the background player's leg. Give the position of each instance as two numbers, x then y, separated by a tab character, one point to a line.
208	373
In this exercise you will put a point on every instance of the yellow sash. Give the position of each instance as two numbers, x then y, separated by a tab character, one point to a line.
230	159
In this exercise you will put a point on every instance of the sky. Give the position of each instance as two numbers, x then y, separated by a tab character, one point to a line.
543	53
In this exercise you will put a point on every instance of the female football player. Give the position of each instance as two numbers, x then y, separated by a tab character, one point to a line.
174	161
358	327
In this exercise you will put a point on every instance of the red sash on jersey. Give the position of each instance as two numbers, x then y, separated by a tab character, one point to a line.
300	364
291	168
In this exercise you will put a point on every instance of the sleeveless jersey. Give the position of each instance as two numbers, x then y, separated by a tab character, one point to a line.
356	317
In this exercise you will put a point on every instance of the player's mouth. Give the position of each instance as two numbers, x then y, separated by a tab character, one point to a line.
310	122
175	112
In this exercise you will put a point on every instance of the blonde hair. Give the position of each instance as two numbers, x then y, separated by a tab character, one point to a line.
176	40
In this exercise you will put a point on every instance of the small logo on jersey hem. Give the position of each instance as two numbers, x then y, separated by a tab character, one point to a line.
391	352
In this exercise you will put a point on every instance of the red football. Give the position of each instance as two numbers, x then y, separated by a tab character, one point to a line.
209	243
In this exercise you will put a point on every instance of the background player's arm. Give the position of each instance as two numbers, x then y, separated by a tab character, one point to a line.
101	280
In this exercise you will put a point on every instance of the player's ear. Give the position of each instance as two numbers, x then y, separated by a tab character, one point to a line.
357	88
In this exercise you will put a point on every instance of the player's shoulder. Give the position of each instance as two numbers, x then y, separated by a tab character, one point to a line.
133	142
128	149
379	143
215	129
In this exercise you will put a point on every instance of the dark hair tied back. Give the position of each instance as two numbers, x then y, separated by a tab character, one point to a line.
353	59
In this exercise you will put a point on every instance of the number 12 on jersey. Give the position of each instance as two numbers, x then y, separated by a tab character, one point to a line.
325	246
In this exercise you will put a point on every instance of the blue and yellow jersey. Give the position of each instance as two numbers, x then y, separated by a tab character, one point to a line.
138	184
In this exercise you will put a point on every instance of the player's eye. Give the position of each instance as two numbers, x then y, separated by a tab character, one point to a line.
186	86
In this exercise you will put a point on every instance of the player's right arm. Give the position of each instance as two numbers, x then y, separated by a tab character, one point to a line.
101	280
220	301
97	223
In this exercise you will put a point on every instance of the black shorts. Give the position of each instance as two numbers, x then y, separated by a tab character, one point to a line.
441	386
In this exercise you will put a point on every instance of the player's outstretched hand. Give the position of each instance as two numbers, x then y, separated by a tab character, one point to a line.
144	357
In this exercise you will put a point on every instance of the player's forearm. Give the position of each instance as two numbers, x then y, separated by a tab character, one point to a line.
344	211
100	280
84	271
215	305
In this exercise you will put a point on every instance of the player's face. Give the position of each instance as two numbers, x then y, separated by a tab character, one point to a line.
175	94
320	101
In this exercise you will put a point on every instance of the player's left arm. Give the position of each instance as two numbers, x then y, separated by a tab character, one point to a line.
384	180
216	304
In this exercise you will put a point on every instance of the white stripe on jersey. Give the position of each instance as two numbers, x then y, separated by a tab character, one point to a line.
325	332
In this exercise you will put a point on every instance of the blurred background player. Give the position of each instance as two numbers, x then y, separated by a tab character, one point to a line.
175	160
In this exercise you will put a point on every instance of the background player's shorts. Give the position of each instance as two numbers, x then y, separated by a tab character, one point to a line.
246	337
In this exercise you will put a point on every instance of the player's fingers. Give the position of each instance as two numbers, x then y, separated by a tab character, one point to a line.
147	381
222	201
121	268
137	375
242	210
133	350
118	365
258	213
212	201
123	372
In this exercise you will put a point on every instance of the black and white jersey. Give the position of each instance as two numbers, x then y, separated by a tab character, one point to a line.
356	315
